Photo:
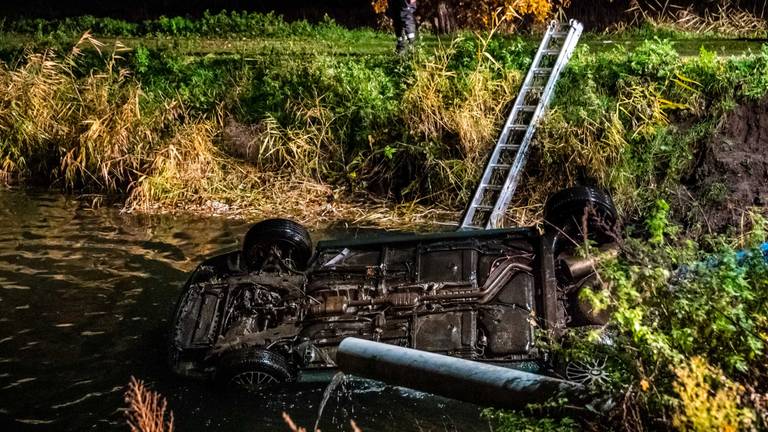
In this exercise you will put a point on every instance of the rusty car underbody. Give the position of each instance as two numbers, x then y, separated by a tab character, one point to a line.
480	295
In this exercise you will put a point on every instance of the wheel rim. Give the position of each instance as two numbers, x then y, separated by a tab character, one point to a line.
253	380
588	373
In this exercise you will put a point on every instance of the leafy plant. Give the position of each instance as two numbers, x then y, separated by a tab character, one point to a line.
658	222
513	421
708	400
694	318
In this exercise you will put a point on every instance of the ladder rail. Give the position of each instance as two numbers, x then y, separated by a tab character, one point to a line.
513	176
477	197
520	147
520	98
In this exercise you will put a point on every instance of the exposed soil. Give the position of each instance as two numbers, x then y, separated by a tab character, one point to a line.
241	140
731	176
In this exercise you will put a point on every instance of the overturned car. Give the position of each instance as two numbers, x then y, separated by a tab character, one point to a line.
275	311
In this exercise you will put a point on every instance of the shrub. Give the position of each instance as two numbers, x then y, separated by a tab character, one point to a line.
222	24
708	400
513	421
694	319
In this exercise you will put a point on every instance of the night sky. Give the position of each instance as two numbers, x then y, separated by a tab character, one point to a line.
350	11
347	12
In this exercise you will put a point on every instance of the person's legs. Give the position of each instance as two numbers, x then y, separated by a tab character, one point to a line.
401	12
408	21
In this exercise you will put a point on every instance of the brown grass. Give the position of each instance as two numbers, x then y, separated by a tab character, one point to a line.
78	131
92	133
462	113
728	19
146	409
191	173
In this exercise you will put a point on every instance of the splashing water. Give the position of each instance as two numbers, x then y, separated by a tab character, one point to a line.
337	379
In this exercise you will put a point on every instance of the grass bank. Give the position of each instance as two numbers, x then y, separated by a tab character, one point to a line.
384	140
277	132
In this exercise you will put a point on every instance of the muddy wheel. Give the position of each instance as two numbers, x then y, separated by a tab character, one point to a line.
283	237
253	370
566	209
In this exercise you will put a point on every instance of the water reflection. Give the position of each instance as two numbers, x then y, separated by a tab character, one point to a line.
85	297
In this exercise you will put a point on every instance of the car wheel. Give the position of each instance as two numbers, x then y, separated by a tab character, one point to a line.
565	211
587	356
591	373
253	370
286	237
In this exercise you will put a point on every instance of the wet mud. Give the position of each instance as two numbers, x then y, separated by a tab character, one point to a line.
731	174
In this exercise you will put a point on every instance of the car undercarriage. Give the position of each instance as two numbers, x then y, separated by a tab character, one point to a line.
276	312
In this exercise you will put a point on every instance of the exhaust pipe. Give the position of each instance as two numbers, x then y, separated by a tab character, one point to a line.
455	378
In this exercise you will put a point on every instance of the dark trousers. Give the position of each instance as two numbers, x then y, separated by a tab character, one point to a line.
401	12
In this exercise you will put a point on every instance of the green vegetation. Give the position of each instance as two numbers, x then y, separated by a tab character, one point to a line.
119	120
529	422
222	24
685	345
238	33
331	123
688	329
377	138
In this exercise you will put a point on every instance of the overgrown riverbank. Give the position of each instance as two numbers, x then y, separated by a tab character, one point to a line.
390	141
305	136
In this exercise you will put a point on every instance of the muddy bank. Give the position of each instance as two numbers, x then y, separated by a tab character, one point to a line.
731	173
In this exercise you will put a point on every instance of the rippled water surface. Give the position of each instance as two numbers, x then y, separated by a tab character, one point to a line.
85	297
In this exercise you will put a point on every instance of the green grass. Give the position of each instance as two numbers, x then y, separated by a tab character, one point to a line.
254	34
415	128
366	44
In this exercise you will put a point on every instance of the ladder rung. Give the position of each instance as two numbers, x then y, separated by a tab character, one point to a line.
502	172
483	208
518	127
492	187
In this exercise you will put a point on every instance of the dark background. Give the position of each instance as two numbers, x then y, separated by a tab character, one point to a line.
351	12
594	13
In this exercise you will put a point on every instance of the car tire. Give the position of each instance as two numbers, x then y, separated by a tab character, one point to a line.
290	238
564	211
253	370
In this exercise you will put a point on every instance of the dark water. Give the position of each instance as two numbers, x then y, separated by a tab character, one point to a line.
85	297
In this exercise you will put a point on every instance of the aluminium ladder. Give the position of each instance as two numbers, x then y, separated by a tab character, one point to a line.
503	170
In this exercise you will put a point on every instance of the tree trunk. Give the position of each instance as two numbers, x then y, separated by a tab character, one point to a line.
444	20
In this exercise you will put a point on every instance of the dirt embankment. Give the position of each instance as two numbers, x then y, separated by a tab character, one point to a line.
731	176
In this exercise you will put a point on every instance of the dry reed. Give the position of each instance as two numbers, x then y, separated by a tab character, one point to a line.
91	132
294	428
80	131
146	409
727	19
462	112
